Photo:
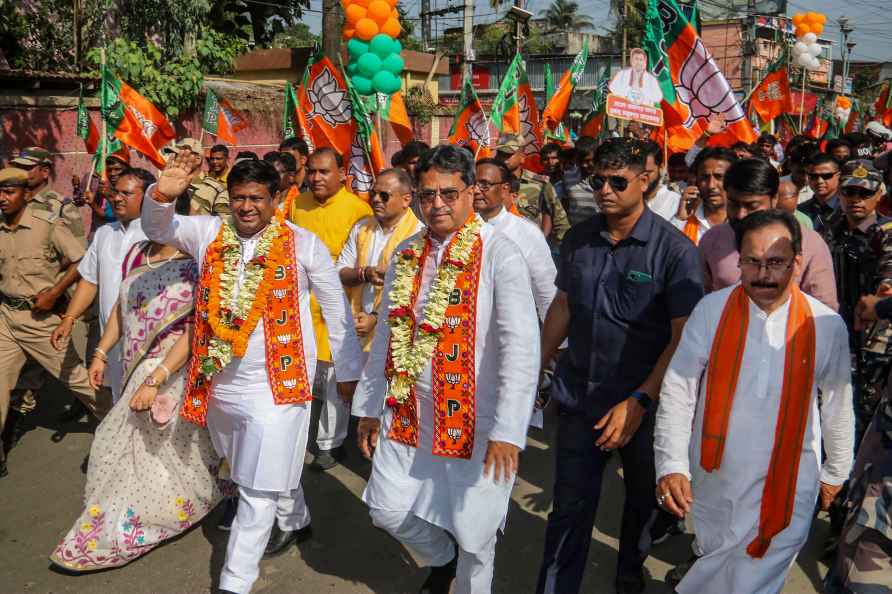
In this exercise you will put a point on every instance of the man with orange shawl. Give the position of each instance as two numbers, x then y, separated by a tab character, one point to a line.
370	245
746	376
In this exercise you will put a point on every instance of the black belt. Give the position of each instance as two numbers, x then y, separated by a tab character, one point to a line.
17	303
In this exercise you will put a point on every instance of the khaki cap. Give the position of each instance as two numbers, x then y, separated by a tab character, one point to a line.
175	147
510	143
33	155
13	176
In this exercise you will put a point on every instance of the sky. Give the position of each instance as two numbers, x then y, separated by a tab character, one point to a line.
871	19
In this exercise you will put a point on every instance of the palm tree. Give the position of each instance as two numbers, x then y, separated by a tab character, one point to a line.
563	15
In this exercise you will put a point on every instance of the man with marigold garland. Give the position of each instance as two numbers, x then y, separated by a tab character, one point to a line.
254	351
444	405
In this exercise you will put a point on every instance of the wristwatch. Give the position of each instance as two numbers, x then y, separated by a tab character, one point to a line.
151	382
643	399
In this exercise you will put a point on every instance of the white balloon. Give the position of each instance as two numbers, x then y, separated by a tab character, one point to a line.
800	48
814	64
803	60
809	38
815	49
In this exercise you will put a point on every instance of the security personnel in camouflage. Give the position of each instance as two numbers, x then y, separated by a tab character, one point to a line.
537	199
38	163
207	195
860	244
864	560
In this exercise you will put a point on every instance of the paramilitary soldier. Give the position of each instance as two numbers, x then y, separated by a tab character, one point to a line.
38	263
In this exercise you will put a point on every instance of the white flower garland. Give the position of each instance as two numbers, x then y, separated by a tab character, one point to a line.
410	353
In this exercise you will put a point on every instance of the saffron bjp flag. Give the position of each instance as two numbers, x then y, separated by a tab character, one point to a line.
530	126
133	119
558	104
694	88
86	129
883	104
366	159
221	119
470	127
772	97
323	103
505	114
593	122
560	133
393	109
294	123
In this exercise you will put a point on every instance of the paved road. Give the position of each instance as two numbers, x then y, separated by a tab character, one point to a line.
42	496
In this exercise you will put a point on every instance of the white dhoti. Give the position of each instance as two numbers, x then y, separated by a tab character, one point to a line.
334	416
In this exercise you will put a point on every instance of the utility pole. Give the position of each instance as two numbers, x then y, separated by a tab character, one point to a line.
518	28
469	38
331	29
748	47
845	49
425	17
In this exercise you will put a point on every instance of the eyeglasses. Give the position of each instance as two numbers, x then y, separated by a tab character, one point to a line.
449	195
823	176
617	182
771	264
854	192
486	186
384	196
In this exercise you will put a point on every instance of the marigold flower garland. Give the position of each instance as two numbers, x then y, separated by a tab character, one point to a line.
233	319
409	352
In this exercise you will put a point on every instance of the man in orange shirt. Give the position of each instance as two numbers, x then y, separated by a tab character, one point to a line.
329	210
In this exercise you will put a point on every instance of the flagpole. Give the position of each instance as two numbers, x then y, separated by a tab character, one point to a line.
104	132
92	168
802	99
201	136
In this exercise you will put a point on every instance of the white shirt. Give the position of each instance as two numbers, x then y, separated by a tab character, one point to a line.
727	501
450	492
261	440
702	228
101	266
534	248
349	257
665	203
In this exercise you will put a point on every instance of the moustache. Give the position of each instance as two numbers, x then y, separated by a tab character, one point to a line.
764	285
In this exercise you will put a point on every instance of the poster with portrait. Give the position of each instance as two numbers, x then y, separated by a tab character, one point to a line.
635	92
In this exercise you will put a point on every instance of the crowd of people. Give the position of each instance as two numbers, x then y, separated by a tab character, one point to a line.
720	319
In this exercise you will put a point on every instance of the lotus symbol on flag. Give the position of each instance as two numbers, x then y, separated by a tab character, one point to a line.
329	102
454	433
478	128
289	383
526	126
704	90
453	378
362	179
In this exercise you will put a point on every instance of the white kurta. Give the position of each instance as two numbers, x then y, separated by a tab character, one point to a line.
101	266
665	203
349	256
448	492
536	253
727	502
265	442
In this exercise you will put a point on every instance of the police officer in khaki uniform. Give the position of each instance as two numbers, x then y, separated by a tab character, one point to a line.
37	163
537	198
208	195
38	263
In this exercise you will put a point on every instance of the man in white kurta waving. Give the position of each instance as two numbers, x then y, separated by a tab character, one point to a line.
746	377
254	353
447	393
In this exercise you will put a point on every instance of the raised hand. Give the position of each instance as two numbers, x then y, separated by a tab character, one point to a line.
178	173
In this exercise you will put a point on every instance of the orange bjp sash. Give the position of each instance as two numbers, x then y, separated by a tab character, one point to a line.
722	374
453	369
691	229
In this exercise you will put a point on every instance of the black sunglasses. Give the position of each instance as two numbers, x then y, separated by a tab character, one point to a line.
385	196
823	176
856	192
617	182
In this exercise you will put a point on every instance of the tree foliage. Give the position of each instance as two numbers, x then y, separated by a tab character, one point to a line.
297	35
563	15
633	22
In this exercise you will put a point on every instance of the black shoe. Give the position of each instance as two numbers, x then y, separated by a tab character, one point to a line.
327	459
665	526
630	583
75	413
11	431
230	508
677	573
280	540
3	470
440	579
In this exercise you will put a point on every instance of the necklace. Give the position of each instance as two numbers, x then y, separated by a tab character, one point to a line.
163	263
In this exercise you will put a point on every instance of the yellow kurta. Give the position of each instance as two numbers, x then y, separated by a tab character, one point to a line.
331	222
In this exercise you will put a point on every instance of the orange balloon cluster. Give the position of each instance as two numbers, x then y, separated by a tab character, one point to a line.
808	22
367	18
